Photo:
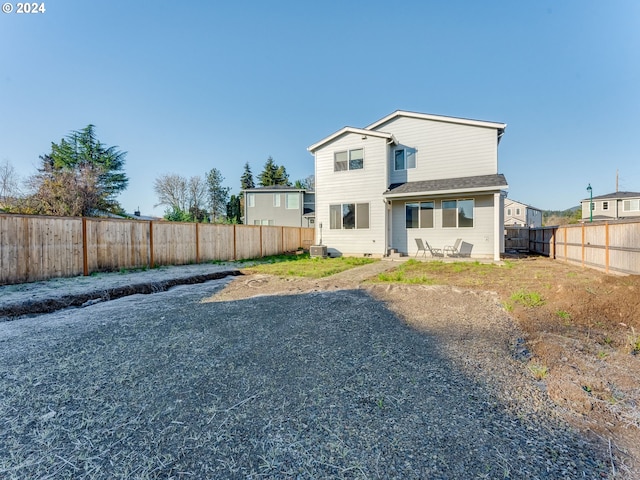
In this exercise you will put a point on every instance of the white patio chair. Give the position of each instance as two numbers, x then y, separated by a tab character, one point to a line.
435	252
453	250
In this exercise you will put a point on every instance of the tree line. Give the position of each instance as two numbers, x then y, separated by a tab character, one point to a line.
206	199
81	176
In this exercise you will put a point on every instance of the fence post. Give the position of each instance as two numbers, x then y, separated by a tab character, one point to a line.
261	250
281	239
197	242
151	244
85	253
606	246
235	243
582	248
565	244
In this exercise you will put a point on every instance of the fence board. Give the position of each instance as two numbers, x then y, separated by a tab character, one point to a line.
610	246
36	248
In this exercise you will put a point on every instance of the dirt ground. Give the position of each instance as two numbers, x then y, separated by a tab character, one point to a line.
576	329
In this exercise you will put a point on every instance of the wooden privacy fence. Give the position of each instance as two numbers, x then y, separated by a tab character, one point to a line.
612	247
36	248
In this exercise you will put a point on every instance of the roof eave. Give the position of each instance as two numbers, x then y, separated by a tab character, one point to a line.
439	118
352	130
453	191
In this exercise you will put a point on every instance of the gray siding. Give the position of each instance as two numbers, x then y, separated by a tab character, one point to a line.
264	210
481	235
352	186
443	150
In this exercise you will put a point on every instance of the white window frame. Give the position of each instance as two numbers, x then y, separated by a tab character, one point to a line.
605	205
349	160
631	205
406	152
458	200
357	209
251	199
419	204
276	199
288	204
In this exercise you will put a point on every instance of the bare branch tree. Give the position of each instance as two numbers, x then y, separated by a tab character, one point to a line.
172	191
9	182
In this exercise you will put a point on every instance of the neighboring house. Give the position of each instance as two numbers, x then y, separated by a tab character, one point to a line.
408	176
279	205
520	214
612	206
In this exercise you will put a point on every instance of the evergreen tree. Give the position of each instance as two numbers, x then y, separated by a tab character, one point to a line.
234	211
273	174
218	195
246	180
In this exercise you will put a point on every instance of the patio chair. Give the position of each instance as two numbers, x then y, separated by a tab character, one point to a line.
435	252
421	247
453	250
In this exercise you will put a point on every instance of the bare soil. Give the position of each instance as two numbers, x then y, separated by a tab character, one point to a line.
585	332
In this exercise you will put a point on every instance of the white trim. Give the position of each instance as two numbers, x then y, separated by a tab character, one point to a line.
353	130
432	193
437	118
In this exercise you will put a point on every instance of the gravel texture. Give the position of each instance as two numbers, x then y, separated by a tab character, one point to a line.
322	384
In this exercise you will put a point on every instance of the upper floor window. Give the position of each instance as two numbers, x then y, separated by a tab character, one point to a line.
292	200
457	213
348	160
404	158
605	205
509	211
251	199
632	205
517	211
276	199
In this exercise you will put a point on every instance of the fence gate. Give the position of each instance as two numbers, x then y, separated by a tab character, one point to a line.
516	238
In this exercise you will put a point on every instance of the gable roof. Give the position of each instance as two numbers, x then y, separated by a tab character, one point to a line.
511	201
438	118
615	195
348	130
443	186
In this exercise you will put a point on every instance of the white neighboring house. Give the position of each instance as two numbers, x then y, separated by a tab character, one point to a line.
407	176
520	214
612	206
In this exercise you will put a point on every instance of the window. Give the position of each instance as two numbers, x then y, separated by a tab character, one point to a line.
593	206
349	216
605	205
349	160
419	215
517	211
292	201
457	213
404	158
276	199
251	199
631	205
509	211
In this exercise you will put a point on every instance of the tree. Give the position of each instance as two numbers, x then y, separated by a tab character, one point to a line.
197	193
234	210
9	181
171	190
246	180
65	192
218	196
273	174
81	148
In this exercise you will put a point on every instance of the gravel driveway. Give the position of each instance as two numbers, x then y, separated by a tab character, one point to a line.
317	385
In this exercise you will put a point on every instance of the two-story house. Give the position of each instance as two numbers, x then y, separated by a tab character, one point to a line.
410	175
520	214
279	205
611	206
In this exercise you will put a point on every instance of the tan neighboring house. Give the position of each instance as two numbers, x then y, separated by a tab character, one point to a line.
612	206
521	215
410	176
279	205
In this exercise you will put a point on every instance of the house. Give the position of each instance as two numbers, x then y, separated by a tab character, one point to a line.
612	206
520	214
408	176
279	205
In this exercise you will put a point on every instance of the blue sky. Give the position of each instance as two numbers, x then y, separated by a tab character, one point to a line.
187	86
